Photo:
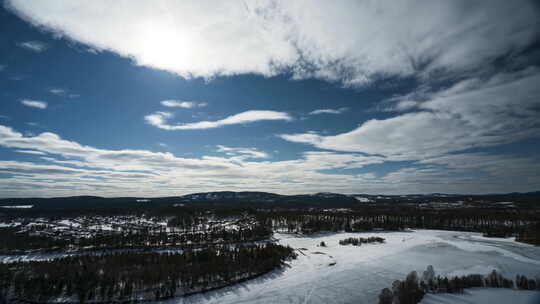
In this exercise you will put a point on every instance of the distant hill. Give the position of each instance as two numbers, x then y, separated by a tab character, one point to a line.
255	199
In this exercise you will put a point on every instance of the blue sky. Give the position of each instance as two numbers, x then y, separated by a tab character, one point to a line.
356	97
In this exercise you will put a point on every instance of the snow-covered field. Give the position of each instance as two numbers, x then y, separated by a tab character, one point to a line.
348	274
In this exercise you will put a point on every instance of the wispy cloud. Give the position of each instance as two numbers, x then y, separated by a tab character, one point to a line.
472	113
31	152
2	67
242	153
159	119
183	104
34	46
74	168
34	103
57	91
328	111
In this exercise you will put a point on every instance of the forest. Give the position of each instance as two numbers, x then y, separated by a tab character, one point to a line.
129	276
312	221
15	242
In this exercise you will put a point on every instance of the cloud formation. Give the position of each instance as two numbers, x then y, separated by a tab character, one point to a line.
57	91
183	104
159	119
71	168
34	103
328	111
34	46
242	153
345	43
470	114
77	168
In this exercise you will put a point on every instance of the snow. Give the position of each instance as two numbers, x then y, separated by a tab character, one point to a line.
478	269
11	224
485	296
363	199
69	223
351	274
17	206
356	274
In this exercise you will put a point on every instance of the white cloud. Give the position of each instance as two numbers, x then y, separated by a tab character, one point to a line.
159	119
34	46
348	41
72	168
328	111
242	153
82	169
57	91
183	104
34	103
31	152
472	113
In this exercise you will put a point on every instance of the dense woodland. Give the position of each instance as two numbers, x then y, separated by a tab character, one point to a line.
14	241
128	275
356	221
413	288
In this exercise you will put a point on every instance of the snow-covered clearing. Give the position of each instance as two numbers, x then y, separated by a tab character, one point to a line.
485	296
350	274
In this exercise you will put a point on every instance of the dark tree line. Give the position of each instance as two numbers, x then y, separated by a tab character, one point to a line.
129	276
492	224
413	288
359	241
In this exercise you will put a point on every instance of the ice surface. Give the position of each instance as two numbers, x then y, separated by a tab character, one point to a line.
485	296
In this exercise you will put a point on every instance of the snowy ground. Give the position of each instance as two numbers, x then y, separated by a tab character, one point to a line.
349	274
485	296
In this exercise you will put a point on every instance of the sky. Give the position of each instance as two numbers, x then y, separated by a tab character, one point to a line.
164	98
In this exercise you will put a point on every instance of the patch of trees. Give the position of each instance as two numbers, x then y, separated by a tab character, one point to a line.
413	288
360	240
13	241
130	276
530	235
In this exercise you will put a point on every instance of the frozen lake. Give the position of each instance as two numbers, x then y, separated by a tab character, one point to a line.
348	274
